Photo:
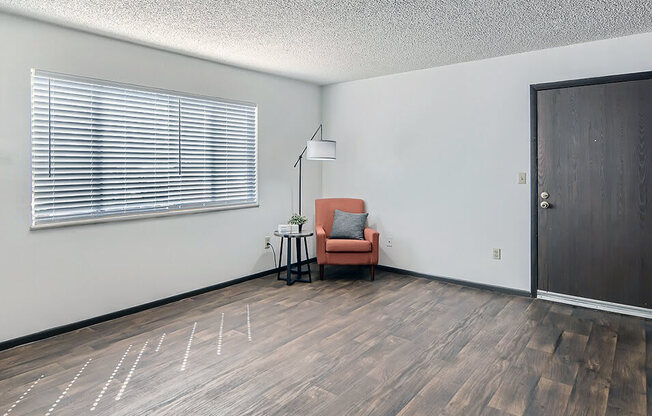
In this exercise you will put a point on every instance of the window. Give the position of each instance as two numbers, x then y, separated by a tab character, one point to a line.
102	150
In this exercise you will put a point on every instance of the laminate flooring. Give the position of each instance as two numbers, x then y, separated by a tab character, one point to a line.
400	345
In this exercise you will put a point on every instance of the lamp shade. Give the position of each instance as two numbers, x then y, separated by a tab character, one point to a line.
320	150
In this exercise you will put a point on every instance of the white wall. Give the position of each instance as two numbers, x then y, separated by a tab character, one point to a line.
436	154
54	277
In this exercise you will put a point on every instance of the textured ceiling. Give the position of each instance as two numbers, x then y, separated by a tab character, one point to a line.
326	41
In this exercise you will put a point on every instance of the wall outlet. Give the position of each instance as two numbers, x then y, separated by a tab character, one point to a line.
522	178
267	238
388	242
497	254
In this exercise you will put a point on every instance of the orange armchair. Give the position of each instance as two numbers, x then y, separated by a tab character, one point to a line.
343	252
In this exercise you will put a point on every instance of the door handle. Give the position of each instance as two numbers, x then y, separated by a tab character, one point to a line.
545	195
545	204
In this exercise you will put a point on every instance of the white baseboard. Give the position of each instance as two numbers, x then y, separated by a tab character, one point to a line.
595	304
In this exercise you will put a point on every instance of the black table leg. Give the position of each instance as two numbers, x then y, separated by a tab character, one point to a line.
280	259
298	241
288	279
298	268
305	243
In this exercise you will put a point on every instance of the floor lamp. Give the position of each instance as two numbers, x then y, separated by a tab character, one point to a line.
315	150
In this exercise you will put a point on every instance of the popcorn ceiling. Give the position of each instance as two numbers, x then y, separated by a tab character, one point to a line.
328	41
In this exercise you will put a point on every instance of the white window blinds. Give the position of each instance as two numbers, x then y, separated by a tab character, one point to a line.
104	150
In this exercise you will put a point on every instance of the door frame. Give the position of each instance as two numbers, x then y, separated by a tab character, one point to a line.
534	167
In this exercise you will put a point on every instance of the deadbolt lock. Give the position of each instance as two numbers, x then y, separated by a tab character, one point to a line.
545	195
545	204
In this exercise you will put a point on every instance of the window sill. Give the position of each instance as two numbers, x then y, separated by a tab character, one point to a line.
145	215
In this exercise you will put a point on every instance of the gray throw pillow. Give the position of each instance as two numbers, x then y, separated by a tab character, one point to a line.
348	225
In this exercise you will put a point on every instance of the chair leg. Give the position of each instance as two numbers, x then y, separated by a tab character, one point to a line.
321	272
373	270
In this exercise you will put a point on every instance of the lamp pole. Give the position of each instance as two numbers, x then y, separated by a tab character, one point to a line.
300	158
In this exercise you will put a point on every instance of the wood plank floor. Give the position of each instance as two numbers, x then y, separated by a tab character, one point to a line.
401	345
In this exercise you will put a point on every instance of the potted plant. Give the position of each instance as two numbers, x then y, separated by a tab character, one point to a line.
298	220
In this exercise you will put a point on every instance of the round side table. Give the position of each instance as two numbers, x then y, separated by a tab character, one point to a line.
298	270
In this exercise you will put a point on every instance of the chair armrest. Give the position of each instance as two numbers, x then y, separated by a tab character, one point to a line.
372	236
321	243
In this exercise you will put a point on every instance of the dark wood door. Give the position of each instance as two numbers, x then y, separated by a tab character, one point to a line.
594	154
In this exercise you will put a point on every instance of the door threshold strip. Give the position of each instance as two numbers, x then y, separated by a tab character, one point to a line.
595	304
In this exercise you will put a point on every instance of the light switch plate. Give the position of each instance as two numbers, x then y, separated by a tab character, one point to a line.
497	254
522	178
